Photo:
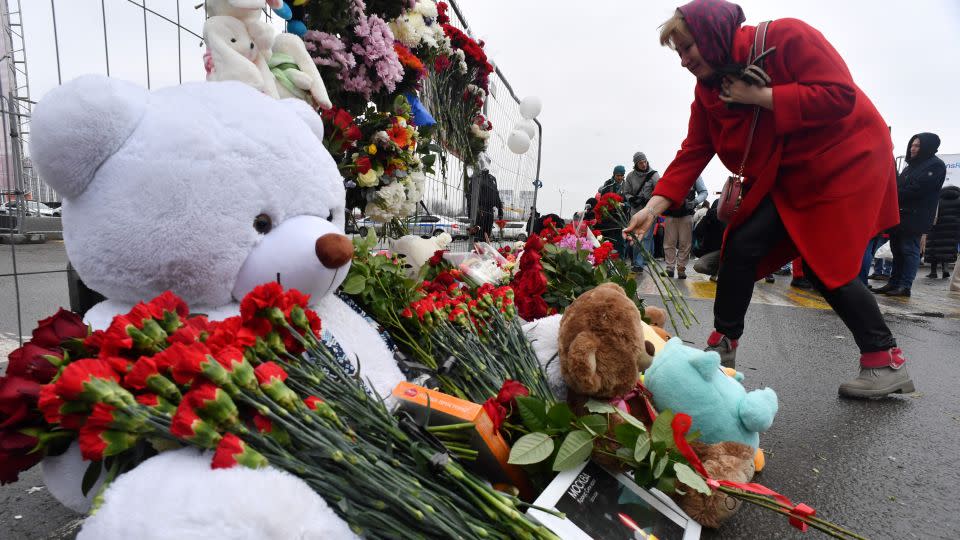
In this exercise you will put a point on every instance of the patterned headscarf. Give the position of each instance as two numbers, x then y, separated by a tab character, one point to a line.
713	24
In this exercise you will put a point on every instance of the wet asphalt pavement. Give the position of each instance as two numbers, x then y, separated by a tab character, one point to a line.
883	468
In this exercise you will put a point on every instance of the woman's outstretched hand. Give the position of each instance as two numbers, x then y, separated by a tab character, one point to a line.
641	222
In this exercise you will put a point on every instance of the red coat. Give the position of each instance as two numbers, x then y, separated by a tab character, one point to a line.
823	154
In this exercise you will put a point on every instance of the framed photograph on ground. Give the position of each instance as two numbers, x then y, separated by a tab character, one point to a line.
601	505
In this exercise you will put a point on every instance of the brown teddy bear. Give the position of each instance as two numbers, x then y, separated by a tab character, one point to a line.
731	461
602	350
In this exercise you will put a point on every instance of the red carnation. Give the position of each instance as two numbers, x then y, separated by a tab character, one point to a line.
97	442
77	378
194	329
313	402
149	400
213	402
188	361
232	450
49	404
442	63
496	412
229	332
262	423
264	296
168	302
268	372
187	424
437	257
509	392
142	370
63	325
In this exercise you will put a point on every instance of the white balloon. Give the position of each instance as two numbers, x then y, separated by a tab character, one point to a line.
518	142
528	127
530	107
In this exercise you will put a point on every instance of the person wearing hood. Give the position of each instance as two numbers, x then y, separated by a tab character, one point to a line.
811	147
637	190
918	190
943	238
615	183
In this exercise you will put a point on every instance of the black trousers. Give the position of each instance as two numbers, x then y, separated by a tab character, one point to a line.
746	247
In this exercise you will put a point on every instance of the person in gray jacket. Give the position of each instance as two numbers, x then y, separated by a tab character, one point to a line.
637	190
678	230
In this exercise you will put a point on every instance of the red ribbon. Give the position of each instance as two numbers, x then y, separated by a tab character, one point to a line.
681	424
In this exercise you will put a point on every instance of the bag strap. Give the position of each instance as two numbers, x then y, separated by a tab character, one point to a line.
759	44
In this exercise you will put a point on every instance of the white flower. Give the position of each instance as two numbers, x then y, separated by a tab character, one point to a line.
427	8
388	203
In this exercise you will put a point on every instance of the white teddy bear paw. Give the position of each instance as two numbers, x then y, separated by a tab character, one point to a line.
176	495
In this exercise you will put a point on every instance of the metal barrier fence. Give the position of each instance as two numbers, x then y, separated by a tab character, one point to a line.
158	43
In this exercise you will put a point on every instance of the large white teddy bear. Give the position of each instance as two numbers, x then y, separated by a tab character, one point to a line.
205	189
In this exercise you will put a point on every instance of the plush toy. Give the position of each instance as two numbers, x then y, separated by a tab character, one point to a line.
729	460
234	55
291	74
416	251
205	189
688	380
544	336
602	347
187	500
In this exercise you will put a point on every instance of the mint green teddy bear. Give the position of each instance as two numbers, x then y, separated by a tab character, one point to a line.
688	380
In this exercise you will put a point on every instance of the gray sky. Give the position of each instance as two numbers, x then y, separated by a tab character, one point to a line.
609	89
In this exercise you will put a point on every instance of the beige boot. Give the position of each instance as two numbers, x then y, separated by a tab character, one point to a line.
881	373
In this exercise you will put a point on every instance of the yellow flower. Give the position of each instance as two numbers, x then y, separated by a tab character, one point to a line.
372	149
368	179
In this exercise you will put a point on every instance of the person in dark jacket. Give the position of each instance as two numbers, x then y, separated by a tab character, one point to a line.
488	198
943	238
918	189
615	183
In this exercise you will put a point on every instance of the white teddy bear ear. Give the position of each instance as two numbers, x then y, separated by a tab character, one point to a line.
308	115
80	124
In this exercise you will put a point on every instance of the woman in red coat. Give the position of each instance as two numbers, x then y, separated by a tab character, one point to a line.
818	177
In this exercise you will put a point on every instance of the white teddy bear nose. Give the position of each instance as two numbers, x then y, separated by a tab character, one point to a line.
334	250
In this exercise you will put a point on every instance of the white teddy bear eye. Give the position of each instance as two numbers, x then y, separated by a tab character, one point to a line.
263	223
233	40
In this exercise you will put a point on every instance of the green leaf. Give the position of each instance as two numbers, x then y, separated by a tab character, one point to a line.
601	407
625	454
576	448
596	424
627	435
642	447
689	477
531	448
534	413
90	477
662	431
632	420
667	484
661	466
354	284
560	416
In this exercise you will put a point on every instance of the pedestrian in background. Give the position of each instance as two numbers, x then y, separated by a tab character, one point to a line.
882	268
918	190
817	178
615	183
678	230
943	238
637	190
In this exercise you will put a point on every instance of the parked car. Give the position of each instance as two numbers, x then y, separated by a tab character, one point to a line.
31	208
513	230
427	226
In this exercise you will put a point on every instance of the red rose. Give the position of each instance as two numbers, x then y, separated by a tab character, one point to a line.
15	455
18	396
63	325
509	392
496	412
363	165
